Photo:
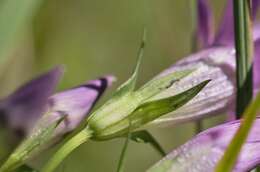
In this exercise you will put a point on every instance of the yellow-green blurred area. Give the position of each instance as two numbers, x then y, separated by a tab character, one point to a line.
95	38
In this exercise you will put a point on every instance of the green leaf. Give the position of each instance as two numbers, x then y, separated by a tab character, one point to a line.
144	136
129	85
14	17
244	53
29	146
149	111
231	154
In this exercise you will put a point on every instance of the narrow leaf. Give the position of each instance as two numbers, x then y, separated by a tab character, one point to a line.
144	136
244	54
129	85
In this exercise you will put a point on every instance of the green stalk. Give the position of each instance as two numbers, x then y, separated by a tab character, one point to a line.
121	163
66	149
194	45
244	54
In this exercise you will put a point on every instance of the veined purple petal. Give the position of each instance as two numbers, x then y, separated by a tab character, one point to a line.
225	34
205	23
256	68
24	107
76	103
217	64
256	31
255	6
202	153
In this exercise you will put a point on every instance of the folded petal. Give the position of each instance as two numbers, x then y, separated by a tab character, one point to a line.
205	23
75	103
217	64
24	107
202	153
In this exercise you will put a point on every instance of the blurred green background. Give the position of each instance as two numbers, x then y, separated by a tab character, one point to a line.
94	38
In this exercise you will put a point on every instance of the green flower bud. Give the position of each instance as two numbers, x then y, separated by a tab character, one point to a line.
127	111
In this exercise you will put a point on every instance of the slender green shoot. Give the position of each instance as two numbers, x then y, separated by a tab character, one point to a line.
121	163
66	149
244	54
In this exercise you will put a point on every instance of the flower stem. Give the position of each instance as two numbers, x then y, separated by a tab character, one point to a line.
194	44
120	167
66	149
244	53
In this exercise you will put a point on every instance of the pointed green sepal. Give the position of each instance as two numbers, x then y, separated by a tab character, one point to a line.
159	84
144	136
149	111
129	85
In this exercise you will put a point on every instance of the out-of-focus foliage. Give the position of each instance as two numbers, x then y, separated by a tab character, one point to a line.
98	37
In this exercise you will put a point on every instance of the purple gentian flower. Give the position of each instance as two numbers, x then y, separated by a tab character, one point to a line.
21	110
202	153
216	61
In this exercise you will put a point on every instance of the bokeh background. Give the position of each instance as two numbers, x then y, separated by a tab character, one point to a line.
94	38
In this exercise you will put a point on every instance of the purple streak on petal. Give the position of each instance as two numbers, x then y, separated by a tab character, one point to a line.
225	34
255	6
76	103
205	23
256	66
25	106
202	153
217	64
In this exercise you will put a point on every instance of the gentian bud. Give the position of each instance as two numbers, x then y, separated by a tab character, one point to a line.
128	109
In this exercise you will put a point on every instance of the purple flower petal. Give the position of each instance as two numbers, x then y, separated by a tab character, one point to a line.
24	107
76	103
205	23
217	64
225	34
202	153
256	31
256	68
255	6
